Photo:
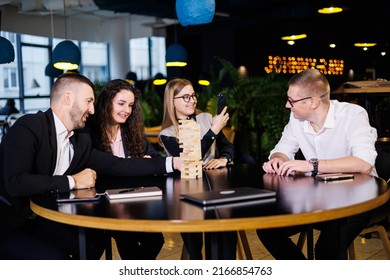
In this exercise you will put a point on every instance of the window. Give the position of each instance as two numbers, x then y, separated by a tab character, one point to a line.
94	61
10	78
147	57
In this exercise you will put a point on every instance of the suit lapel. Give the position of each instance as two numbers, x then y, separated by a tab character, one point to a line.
53	137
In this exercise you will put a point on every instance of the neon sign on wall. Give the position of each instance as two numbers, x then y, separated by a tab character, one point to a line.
293	65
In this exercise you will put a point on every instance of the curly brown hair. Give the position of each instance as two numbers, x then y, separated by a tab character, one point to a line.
132	129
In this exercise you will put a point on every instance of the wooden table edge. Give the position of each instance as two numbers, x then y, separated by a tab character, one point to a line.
211	225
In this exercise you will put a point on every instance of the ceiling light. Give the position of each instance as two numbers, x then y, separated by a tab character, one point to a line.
53	72
159	80
383	53
291	42
7	52
332	46
364	45
176	55
294	37
66	56
330	10
195	12
204	80
131	77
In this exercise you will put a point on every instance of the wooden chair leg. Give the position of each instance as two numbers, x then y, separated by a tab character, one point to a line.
383	235
243	249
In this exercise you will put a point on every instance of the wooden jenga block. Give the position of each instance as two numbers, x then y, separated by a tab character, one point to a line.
189	138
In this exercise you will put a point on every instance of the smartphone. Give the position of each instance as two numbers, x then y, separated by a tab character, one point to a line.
334	177
221	103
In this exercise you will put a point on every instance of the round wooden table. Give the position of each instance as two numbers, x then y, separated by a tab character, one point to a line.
300	200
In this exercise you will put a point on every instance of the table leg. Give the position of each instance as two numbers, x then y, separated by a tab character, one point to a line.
310	243
108	245
213	246
82	244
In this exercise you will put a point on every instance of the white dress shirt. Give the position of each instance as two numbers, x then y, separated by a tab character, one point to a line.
64	150
346	132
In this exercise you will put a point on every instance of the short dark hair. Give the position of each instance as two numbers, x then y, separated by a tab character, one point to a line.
67	78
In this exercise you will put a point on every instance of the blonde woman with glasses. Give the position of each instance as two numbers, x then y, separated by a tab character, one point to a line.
180	102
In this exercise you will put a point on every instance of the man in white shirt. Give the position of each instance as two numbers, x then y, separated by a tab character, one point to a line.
333	137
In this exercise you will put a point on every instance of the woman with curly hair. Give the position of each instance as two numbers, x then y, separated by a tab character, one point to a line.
118	128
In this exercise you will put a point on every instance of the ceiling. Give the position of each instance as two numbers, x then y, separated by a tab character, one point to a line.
252	29
360	21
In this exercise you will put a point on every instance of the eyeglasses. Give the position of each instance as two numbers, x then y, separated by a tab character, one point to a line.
291	101
187	97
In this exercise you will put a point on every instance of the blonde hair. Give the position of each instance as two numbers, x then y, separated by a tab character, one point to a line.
173	88
313	82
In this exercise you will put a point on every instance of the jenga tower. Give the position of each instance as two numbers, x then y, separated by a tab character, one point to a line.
189	138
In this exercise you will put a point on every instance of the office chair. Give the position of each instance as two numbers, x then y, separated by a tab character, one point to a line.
379	221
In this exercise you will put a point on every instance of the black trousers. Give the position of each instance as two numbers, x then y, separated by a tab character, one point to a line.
138	245
42	239
332	244
227	244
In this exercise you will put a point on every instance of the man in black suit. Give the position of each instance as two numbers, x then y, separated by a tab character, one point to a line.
31	163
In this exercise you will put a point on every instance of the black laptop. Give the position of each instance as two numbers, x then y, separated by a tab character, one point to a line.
228	195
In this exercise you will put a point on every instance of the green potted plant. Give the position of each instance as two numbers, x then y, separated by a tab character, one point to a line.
256	108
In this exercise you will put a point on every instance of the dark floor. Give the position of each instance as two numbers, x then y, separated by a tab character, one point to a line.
368	249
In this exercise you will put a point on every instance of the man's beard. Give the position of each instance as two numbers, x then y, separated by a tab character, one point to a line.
76	117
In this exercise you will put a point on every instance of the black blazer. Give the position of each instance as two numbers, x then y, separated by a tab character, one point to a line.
27	160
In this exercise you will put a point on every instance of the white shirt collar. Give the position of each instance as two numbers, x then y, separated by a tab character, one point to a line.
330	121
61	131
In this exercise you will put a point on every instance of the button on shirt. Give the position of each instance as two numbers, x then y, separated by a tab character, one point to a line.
346	132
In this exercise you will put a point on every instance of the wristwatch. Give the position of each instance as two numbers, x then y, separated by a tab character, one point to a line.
314	161
229	161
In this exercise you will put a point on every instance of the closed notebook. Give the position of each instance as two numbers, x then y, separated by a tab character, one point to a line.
133	192
228	195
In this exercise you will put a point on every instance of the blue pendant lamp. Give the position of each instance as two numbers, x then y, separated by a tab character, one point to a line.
159	80
204	79
131	77
66	56
53	72
7	52
176	55
195	12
